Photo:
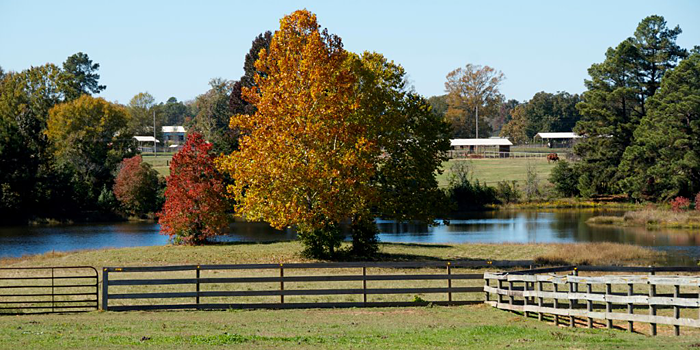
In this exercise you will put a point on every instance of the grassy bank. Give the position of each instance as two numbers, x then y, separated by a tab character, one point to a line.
652	218
289	252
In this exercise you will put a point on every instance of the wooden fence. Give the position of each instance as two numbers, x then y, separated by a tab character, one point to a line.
607	297
190	289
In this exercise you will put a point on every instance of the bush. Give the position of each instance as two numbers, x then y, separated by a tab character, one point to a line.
680	203
564	179
320	243
138	186
507	192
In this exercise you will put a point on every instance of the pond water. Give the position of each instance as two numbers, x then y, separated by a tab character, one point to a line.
557	226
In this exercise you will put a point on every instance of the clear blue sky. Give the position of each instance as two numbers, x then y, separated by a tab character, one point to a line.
173	48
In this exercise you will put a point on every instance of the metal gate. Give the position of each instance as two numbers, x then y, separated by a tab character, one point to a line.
27	290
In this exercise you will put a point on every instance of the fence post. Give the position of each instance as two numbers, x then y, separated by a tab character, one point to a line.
281	283
487	295
540	300
53	293
652	307
572	301
676	310
608	304
364	285
449	282
556	304
630	306
198	287
105	284
589	303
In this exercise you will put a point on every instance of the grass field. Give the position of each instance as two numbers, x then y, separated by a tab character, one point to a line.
491	171
159	162
472	327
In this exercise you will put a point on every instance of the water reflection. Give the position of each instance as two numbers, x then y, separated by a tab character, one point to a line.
557	226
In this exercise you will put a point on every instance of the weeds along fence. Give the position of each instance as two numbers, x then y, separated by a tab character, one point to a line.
652	295
25	290
305	285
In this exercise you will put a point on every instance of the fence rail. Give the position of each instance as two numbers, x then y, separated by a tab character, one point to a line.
26	290
194	298
541	291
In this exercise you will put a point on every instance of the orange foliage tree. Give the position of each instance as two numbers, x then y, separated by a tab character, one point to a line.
195	203
304	159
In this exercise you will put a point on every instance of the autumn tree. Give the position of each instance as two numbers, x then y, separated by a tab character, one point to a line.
89	139
195	204
303	160
335	136
473	99
138	186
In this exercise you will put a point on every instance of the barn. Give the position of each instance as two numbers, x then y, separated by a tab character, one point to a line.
469	147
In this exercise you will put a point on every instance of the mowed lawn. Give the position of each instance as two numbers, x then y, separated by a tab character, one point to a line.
469	327
491	171
160	162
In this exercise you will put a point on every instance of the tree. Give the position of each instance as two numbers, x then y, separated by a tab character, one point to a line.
138	186
212	117
195	204
82	76
89	138
141	108
335	136
237	103
545	112
473	91
303	159
28	182
664	160
615	102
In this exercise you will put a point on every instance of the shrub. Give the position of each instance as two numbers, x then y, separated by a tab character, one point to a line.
532	183
507	192
680	203
564	179
137	187
195	203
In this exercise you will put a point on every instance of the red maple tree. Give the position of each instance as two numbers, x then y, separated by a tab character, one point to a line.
137	186
195	203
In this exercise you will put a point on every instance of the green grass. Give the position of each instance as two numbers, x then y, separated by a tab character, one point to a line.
159	162
472	327
491	171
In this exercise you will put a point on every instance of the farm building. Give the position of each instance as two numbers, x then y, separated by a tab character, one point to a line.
146	143
466	147
173	134
557	139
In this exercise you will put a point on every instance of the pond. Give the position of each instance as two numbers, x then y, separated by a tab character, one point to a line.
556	226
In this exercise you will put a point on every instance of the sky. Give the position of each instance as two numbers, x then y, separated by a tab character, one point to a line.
174	48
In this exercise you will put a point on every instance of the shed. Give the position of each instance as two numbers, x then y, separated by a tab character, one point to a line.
563	138
503	144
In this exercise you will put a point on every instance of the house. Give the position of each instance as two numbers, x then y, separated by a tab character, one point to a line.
173	135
